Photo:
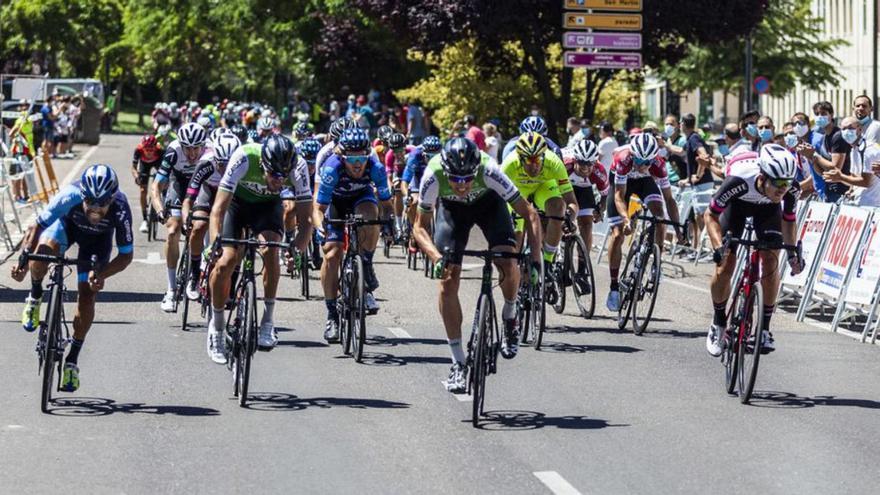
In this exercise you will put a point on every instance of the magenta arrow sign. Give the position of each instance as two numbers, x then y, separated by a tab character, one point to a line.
603	60
609	41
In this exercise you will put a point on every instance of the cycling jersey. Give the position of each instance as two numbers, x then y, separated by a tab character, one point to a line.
489	177
598	177
245	177
336	183
741	186
206	176
175	161
553	173
146	154
511	145
624	168
416	163
396	167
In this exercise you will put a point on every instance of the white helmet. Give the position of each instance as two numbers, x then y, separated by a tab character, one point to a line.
192	134
224	146
216	133
585	151
204	121
644	147
266	124
777	162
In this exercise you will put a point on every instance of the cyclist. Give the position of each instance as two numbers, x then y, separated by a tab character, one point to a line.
240	132
755	192
347	179
164	136
302	131
147	157
265	128
540	176
636	169
468	188
395	163
380	144
336	129
585	172
308	149
91	214
249	196
416	162
181	159
199	197
531	124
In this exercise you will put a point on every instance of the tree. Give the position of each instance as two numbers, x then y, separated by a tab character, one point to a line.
788	47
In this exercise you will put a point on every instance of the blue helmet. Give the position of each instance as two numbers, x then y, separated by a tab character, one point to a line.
533	124
254	135
431	144
354	140
309	149
98	184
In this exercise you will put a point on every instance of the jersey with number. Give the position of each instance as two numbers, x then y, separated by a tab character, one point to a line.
624	168
552	171
175	161
67	206
435	186
336	183
245	177
741	185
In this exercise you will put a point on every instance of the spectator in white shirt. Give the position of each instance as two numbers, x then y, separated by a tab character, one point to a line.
864	164
493	143
575	134
607	144
863	110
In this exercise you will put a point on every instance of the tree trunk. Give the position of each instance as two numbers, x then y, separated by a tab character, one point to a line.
565	96
139	101
538	61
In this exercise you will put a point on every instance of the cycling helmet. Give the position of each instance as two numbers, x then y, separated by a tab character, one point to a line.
533	124
224	146
777	162
204	121
340	125
192	135
585	151
278	154
354	140
302	130
149	141
531	144
216	133
240	132
460	156
431	144
396	141
309	149
384	133
163	130
643	147
98	184
266	124
254	136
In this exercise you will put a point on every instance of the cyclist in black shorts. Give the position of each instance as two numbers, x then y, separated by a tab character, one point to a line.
147	157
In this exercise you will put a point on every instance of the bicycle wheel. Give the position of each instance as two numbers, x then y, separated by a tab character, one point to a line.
539	310
386	248
357	313
345	303
51	333
524	306
151	216
186	261
730	340
182	274
644	293
750	355
562	267
626	290
249	338
581	269
304	275
481	358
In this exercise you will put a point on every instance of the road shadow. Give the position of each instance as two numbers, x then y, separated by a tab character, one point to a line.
531	420
302	344
584	348
129	297
382	341
276	401
788	400
384	359
96	406
570	329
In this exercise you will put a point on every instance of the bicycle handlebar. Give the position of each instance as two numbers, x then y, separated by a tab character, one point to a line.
228	241
26	256
357	221
486	255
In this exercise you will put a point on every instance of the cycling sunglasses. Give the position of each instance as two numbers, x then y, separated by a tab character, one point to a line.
356	160
535	160
581	163
93	203
641	162
461	179
781	183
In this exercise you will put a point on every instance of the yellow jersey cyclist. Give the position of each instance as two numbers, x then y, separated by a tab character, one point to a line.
541	177
91	214
467	188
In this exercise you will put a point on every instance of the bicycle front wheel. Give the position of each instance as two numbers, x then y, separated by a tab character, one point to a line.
357	313
750	347
583	280
539	310
249	338
626	288
50	335
481	359
644	293
562	266
304	275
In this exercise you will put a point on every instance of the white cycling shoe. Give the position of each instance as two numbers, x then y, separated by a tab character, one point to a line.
216	345
370	303
267	339
168	302
713	340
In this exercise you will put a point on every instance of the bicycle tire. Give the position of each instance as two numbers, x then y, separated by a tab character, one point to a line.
524	306
151	215
748	371
539	309
184	317
249	338
51	361
345	311
181	276
646	287
563	270
730	344
481	360
581	266
357	314
386	248
304	274
623	313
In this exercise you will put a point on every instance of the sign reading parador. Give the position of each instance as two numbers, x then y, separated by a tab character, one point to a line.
622	5
614	22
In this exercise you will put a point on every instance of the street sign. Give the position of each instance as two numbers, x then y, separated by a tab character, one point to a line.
614	22
603	60
761	85
621	5
610	41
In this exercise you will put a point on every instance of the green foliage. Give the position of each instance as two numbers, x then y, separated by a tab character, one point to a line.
788	47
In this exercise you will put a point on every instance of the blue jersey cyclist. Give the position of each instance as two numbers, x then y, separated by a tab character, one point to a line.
90	213
347	181
411	180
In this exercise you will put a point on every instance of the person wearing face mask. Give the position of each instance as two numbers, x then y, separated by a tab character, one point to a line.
766	130
865	164
791	142
607	144
834	151
699	174
863	111
674	142
748	127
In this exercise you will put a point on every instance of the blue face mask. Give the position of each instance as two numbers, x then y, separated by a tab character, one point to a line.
849	135
724	149
865	121
791	140
752	129
822	121
765	135
669	130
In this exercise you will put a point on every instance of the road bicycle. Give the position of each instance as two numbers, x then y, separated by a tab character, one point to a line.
54	334
573	268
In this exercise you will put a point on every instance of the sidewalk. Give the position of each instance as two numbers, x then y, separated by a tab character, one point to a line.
67	170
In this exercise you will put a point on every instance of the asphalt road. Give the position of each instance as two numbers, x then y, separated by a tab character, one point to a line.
598	411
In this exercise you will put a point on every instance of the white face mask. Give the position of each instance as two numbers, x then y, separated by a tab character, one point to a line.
801	129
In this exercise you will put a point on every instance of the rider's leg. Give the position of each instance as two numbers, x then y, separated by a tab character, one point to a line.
720	287
330	275
450	310
369	239
82	319
221	280
656	208
172	248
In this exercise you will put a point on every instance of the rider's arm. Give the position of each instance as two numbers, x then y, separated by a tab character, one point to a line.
377	174
236	169
532	224
124	240
671	205
620	200
218	211
732	188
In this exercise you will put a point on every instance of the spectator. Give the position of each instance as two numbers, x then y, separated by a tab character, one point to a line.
62	130
48	125
108	114
674	144
865	161
748	129
732	139
863	110
493	143
791	142
766	130
76	106
416	123
699	175
833	153
575	134
473	132
587	128
351	107
607	144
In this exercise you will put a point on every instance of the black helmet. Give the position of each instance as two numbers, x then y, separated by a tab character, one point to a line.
278	154
384	133
354	140
396	141
302	130
460	156
240	132
340	125
431	144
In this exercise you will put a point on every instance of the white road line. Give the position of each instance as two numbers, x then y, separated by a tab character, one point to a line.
76	168
556	483
399	333
14	427
458	397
